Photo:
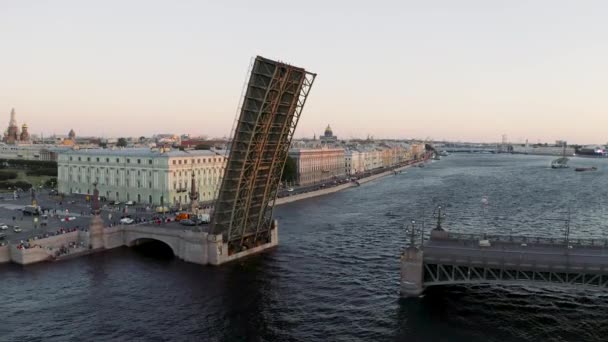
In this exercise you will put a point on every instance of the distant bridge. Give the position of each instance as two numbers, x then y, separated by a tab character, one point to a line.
449	258
469	149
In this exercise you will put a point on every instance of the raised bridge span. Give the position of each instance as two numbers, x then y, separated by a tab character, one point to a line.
450	258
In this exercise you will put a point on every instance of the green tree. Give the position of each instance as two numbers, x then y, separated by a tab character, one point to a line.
122	142
290	171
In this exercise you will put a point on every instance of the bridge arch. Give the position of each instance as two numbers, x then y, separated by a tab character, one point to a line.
141	240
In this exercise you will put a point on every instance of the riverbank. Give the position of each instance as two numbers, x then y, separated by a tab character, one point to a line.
321	192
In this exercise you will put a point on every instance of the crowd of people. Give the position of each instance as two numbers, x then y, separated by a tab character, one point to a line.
31	242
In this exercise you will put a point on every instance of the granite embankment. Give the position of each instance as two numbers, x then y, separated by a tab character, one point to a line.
321	192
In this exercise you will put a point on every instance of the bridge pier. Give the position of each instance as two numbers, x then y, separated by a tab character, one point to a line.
412	272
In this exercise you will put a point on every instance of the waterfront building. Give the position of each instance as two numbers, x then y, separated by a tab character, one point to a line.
143	175
30	152
318	165
354	162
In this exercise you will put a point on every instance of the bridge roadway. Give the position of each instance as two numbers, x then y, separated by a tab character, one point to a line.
449	258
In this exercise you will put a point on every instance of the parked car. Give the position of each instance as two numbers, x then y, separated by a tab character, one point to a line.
204	218
290	189
17	229
2	236
31	210
187	222
3	226
68	219
126	220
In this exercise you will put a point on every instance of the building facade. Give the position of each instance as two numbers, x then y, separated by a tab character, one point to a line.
30	152
318	165
142	175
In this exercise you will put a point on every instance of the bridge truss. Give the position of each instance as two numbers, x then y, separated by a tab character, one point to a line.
441	273
270	111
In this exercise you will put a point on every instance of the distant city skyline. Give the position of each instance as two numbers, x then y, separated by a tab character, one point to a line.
467	71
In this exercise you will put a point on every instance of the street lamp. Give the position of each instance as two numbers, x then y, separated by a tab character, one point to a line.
439	215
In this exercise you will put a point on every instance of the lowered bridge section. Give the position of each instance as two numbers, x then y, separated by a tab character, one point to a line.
448	258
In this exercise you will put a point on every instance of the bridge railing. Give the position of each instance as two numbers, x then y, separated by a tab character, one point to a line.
537	240
520	260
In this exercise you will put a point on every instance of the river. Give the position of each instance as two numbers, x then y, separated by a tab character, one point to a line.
335	275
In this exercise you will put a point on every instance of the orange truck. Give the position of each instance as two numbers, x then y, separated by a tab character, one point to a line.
182	216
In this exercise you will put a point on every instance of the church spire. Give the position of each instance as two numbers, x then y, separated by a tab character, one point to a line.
13	121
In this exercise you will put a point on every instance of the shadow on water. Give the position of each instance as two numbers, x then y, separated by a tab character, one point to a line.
497	313
153	249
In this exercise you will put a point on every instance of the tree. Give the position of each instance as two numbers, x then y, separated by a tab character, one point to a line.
290	171
122	142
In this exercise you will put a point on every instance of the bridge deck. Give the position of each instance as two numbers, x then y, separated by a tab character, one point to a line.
453	261
555	256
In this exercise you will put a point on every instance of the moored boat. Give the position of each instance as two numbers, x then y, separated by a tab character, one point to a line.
581	169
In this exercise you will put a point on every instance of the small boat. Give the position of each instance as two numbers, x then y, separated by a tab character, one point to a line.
560	163
581	169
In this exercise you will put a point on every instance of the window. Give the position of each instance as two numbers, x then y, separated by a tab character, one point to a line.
138	161
88	159
150	161
179	162
174	162
98	160
150	184
78	158
70	158
128	160
118	160
107	160
199	161
138	173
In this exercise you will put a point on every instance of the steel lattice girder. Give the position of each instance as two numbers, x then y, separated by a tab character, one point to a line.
272	105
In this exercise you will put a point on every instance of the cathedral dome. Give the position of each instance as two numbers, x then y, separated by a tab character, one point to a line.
328	131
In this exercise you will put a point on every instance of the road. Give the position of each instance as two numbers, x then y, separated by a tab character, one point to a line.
466	252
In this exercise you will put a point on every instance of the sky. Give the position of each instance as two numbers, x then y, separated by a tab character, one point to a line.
457	70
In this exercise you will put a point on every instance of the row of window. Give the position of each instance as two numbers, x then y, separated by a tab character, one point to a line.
196	161
97	159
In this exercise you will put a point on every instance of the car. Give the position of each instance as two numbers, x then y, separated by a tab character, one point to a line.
129	203
3	226
126	220
2	237
290	189
68	219
17	229
187	222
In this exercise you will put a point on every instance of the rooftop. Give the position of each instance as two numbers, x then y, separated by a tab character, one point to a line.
144	152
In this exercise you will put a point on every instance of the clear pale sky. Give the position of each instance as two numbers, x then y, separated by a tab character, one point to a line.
460	70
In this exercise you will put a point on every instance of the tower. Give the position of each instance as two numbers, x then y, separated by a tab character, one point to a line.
96	228
193	196
25	135
13	130
72	134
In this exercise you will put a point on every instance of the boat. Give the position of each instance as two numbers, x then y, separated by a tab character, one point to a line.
582	169
444	153
591	151
560	163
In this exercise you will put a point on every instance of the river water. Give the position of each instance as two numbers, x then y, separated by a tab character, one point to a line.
335	275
